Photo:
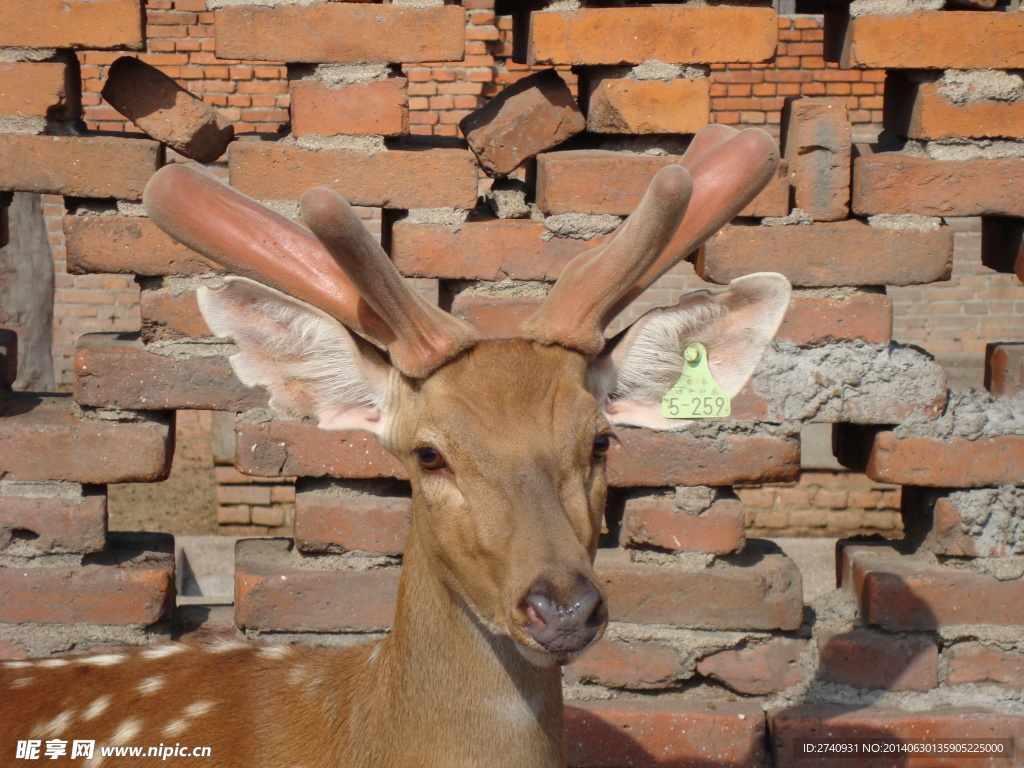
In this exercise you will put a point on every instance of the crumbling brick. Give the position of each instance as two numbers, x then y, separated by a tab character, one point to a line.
817	146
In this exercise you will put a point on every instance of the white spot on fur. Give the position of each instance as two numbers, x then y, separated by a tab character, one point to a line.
106	660
97	708
151	685
125	732
225	645
95	761
162	651
54	663
174	728
17	664
274	651
374	654
21	682
298	675
198	708
56	726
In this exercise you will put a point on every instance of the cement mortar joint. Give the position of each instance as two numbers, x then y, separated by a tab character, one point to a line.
107	415
346	561
971	414
839	292
796	217
987	697
582	226
46	639
192	348
519	289
385	489
690	562
865	7
980	85
973	149
318	143
452	218
176	285
49	489
350	639
905	221
33	559
16	54
339	74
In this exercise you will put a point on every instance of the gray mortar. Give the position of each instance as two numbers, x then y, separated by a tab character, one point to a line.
519	289
177	285
318	143
973	149
695	499
82	206
340	640
906	221
988	697
839	292
192	348
263	416
967	86
659	70
288	208
993	516
118	416
1000	568
451	218
972	414
507	199
18	124
563	5
691	562
346	561
45	639
12	55
691	644
582	226
339	74
664	145
796	217
373	488
417	3
1004	638
51	489
126	208
821	384
864	7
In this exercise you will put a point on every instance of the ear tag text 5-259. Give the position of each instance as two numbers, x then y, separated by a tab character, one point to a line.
696	395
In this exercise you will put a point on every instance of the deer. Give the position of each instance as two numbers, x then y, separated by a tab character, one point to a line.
505	442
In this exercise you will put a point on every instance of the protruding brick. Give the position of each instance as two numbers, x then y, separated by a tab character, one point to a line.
131	583
984	665
82	24
39	89
926	40
670	33
340	32
45	437
817	145
1002	244
656	521
656	733
829	254
335	517
640	665
52	518
648	106
924	111
760	670
892	182
863	658
373	108
8	357
116	371
530	116
816	320
1004	368
497	317
128	245
427	178
166	111
78	166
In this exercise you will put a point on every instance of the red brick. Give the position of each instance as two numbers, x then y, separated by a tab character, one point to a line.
8	357
10	650
675	34
528	117
429	178
1002	244
497	317
1004	369
594	181
643	665
53	519
329	518
863	658
921	111
842	723
377	107
78	166
649	734
891	182
658	522
166	111
115	371
829	254
483	250
984	664
817	146
275	590
170	317
43	437
756	592
39	89
340	32
759	670
773	200
82	24
648	106
812	320
128	245
131	583
928	40
956	463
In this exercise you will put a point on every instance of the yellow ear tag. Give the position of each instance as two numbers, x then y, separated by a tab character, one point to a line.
696	395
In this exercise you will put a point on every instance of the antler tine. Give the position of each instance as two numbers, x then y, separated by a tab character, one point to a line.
192	206
425	336
576	311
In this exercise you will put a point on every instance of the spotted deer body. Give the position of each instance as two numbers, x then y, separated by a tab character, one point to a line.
504	441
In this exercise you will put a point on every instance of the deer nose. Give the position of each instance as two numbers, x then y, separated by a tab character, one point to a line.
563	627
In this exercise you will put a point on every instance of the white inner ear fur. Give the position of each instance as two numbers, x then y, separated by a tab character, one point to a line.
310	364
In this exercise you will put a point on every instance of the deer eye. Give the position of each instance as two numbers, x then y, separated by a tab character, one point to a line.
602	444
430	458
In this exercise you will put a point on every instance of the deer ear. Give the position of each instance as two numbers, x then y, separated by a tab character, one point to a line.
310	364
641	364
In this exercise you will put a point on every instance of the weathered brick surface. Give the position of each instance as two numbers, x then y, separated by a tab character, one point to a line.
374	108
1004	368
1002	244
955	463
773	200
333	518
927	40
864	658
647	734
656	521
828	254
817	146
128	245
594	181
892	182
979	663
530	116
428	178
759	670
39	89
78	166
675	34
43	437
616	105
91	24
812	320
166	111
922	111
497	317
340	32
963	523
52	518
168	315
131	583
8	357
643	665
115	370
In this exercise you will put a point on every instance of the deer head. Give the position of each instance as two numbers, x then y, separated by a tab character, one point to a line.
504	441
